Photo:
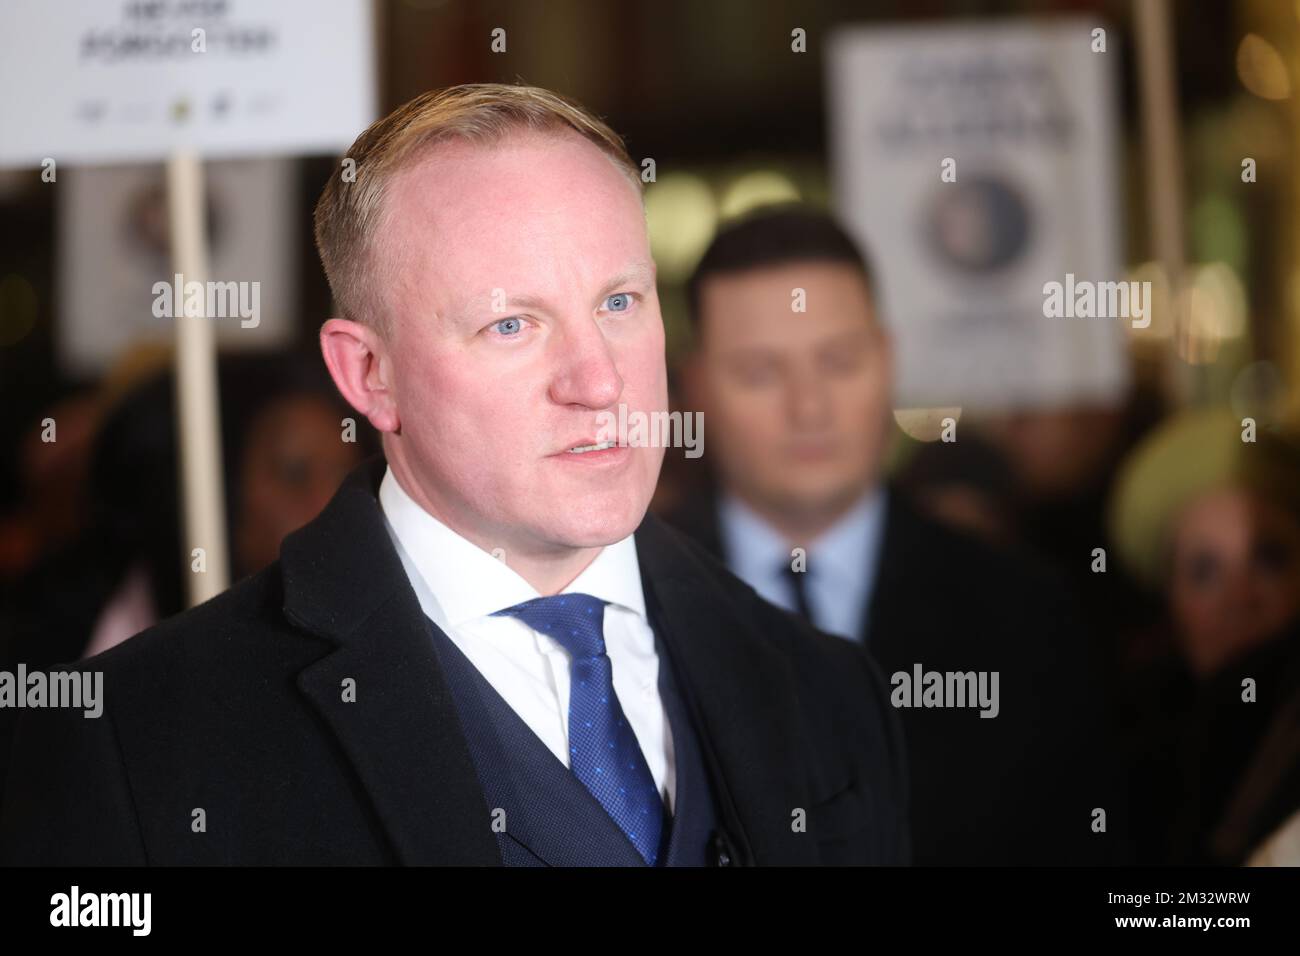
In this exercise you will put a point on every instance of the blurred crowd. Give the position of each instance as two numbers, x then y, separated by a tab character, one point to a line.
93	552
1131	571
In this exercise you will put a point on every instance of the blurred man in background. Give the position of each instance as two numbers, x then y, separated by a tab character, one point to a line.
793	372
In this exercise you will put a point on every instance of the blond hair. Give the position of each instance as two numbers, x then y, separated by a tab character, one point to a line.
351	208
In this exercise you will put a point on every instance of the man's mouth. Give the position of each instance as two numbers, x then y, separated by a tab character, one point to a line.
599	446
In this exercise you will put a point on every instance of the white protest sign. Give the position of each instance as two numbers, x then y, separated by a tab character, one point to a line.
977	163
113	252
101	81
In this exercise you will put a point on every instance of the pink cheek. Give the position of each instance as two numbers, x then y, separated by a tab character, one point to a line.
646	377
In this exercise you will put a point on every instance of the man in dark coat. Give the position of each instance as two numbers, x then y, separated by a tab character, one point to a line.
483	651
792	370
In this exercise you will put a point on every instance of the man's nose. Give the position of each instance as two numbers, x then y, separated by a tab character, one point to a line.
586	372
807	398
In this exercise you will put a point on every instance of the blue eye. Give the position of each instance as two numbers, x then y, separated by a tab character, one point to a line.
619	302
509	326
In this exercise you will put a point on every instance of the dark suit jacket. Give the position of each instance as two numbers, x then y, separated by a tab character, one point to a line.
1019	788
232	715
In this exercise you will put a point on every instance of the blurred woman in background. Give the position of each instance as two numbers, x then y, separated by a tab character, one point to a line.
1212	521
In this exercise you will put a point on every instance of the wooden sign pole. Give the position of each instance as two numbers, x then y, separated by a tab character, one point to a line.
1163	157
197	409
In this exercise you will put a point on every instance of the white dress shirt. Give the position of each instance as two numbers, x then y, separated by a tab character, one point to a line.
842	562
460	585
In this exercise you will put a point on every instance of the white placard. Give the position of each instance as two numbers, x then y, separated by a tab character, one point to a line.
108	81
1026	111
114	248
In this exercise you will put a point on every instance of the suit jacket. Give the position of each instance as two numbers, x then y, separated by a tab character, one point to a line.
1019	788
226	737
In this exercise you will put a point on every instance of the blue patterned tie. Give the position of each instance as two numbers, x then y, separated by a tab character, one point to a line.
603	750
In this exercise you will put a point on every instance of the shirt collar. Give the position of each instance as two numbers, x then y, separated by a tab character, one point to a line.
757	549
754	549
847	549
466	582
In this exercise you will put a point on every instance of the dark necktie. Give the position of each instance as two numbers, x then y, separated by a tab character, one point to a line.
796	580
603	750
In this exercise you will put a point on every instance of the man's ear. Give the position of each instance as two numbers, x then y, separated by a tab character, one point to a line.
358	362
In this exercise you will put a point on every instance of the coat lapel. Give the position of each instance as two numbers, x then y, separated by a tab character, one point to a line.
740	695
344	582
896	566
